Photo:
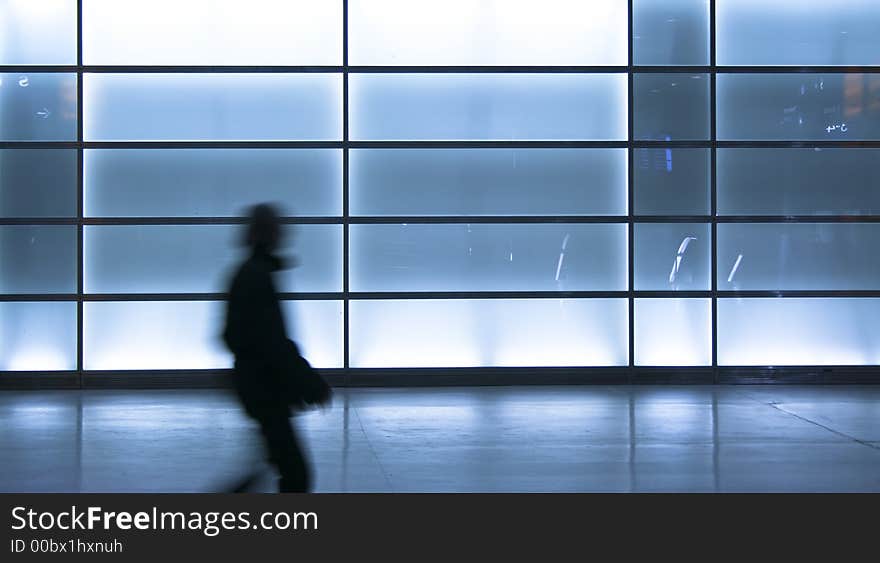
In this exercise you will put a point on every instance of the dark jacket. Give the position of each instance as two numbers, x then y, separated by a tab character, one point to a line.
256	335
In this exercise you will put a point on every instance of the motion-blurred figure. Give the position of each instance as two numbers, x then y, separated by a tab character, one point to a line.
256	335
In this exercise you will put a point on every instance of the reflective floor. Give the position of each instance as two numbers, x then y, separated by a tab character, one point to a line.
588	438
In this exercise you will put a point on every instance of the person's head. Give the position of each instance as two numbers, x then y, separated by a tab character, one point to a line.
263	228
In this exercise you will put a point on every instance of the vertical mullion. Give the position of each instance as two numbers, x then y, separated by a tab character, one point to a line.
345	206
79	196
714	189
630	194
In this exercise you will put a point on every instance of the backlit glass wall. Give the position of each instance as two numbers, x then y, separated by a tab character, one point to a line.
466	183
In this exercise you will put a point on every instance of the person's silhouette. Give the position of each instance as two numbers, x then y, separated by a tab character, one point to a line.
256	335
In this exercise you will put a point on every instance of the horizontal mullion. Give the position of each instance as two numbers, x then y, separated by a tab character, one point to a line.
476	144
485	219
212	144
465	69
444	220
429	144
796	293
446	295
797	219
753	144
135	221
487	69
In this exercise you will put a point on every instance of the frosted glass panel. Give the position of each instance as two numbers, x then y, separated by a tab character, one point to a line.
462	257
154	335
488	181
488	32
672	181
37	106
38	259
488	106
671	106
779	332
798	32
798	256
798	181
489	332
37	336
316	326
38	183
212	32
211	182
673	332
802	106
186	334
38	32
670	32
201	258
213	107
672	256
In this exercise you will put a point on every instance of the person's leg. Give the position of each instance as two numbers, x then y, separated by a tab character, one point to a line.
285	453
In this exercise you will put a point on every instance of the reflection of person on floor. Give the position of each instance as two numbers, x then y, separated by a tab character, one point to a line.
256	335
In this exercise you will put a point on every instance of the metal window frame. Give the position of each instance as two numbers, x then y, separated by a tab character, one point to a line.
487	375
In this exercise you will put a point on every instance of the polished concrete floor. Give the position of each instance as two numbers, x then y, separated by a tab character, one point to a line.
587	438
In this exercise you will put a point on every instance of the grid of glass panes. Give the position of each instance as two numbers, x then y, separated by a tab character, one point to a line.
469	183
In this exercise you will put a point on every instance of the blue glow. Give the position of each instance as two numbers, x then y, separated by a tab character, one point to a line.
186	335
488	32
212	32
37	336
37	106
798	32
496	257
38	32
201	258
673	332
795	332
485	181
798	256
671	32
490	332
488	106
213	107
210	182
798	107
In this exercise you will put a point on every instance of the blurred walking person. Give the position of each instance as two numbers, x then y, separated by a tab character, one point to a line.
269	373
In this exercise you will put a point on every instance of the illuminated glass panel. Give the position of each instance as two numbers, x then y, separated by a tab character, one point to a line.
489	332
201	258
186	334
38	32
38	182
797	32
670	32
672	181
37	336
493	257
212	32
795	181
808	256
799	107
671	106
37	106
316	326
672	256
38	259
211	182
794	331
488	106
220	106
673	332
488	32
488	181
